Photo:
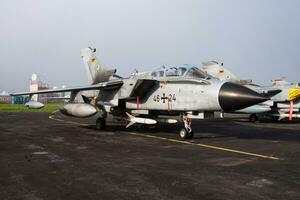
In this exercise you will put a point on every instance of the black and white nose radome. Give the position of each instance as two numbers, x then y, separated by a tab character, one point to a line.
235	97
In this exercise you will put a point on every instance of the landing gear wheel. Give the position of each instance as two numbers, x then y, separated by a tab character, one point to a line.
191	134
275	118
100	123
183	133
253	118
187	131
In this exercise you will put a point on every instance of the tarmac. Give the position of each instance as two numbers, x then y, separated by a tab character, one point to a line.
56	157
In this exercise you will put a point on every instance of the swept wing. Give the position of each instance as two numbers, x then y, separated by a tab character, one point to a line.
100	86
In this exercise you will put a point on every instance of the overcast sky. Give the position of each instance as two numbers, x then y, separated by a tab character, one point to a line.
255	39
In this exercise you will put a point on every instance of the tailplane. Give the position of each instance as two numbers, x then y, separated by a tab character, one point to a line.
96	71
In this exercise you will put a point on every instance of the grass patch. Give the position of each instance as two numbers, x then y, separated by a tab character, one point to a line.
50	107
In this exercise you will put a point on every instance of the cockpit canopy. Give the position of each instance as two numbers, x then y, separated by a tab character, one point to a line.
187	72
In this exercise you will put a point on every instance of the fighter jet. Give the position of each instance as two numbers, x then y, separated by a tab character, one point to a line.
284	96
161	95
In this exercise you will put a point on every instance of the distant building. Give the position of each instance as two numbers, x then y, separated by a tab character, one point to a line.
37	84
5	97
19	99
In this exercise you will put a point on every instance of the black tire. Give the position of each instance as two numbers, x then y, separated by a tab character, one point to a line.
191	135
100	124
253	118
183	133
275	119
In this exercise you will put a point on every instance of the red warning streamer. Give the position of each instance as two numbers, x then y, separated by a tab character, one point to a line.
291	110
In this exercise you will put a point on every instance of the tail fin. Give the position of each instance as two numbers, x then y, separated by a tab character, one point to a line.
96	71
129	115
217	70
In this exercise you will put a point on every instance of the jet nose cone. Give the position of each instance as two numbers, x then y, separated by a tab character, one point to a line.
235	97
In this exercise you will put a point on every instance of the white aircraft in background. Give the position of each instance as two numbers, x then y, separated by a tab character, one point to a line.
284	96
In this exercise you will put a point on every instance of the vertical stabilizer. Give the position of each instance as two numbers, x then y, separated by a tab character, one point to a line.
217	70
96	71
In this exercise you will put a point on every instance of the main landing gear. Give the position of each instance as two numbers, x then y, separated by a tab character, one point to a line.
253	118
101	121
186	132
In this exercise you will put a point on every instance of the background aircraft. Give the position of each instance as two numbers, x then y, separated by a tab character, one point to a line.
146	97
285	96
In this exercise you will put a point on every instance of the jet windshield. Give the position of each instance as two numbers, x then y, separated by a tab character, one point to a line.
174	71
189	72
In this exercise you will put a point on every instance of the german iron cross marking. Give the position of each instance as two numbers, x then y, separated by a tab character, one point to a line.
164	98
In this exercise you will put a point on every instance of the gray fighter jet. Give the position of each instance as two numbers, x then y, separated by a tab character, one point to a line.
284	96
156	96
